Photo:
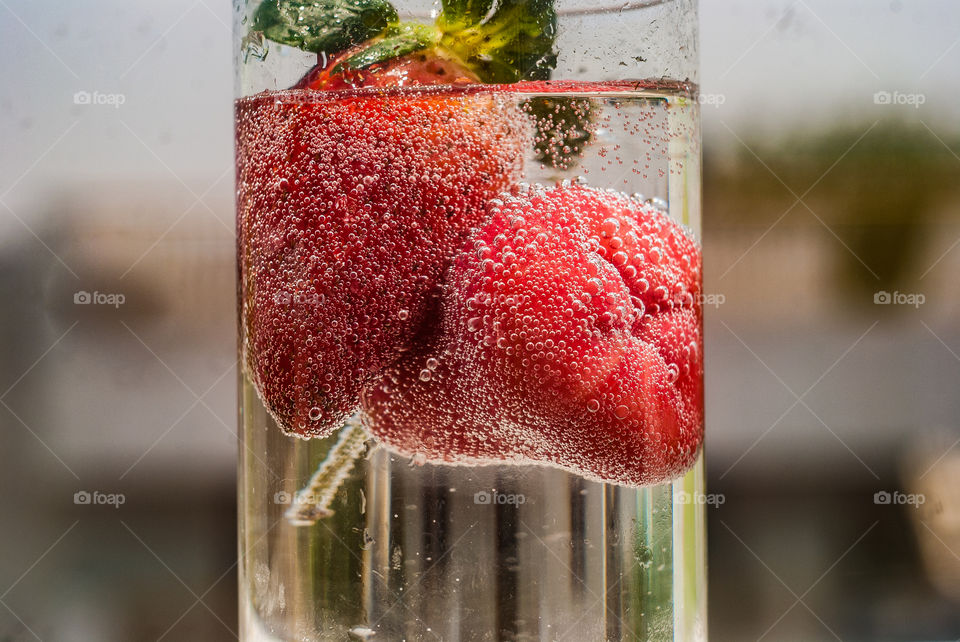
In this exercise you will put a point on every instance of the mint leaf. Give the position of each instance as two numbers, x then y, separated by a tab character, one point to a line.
514	42
323	25
398	41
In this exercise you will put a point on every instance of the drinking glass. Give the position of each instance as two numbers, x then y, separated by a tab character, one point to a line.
367	533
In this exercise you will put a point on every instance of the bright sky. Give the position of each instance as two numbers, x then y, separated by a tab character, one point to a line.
782	62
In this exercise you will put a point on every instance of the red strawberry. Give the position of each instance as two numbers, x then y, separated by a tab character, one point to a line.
349	206
570	335
428	67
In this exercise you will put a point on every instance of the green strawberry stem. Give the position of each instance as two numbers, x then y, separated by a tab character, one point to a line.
500	41
312	502
398	41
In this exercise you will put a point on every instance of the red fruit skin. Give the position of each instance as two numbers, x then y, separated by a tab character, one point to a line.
554	349
428	67
350	205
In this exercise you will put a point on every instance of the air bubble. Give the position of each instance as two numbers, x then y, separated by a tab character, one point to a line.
673	372
609	227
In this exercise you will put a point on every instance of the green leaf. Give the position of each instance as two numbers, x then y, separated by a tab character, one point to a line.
323	25
464	12
399	40
502	41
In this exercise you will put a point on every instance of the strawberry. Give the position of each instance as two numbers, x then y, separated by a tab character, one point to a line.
569	334
349	207
421	68
469	42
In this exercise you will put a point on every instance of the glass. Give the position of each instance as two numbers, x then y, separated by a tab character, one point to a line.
535	531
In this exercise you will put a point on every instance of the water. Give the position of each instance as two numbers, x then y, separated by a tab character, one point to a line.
391	547
422	552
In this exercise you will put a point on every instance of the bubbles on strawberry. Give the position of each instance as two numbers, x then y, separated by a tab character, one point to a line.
349	210
568	335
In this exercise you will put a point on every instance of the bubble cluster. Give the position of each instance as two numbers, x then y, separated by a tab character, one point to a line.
569	333
349	207
563	128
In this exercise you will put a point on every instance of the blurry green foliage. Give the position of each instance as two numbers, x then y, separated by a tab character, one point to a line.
880	197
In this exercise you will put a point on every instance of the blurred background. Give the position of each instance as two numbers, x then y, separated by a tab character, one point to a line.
832	244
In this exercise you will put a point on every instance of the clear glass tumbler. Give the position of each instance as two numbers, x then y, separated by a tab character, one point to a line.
469	297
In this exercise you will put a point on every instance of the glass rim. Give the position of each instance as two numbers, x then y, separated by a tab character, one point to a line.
612	8
602	9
